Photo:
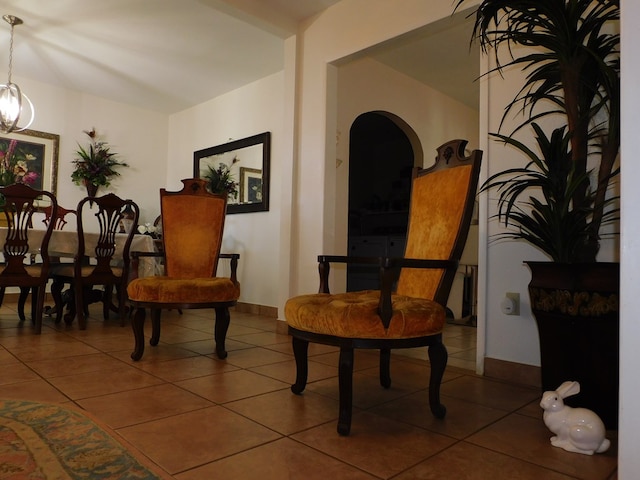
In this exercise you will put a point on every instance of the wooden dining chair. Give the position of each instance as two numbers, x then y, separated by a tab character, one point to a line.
96	266
20	203
59	218
193	224
59	222
412	315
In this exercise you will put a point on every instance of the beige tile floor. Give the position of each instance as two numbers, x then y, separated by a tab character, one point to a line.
198	417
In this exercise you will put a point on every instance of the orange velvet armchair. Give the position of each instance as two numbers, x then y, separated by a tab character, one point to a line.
413	315
192	228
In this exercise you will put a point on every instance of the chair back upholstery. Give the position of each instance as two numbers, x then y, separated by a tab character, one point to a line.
109	211
192	227
442	202
59	219
20	203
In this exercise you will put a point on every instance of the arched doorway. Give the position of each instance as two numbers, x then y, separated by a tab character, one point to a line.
381	158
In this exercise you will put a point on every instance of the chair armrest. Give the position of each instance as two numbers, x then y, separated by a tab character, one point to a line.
137	254
135	261
325	261
345	259
389	266
234	257
418	263
389	272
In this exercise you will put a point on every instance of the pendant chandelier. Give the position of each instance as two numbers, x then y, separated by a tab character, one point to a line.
12	100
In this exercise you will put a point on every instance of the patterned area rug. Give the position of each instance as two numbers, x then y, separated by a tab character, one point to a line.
39	441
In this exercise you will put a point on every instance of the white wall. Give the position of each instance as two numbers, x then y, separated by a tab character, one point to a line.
138	136
159	150
244	112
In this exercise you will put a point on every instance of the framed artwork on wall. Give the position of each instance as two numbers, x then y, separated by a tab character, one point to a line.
250	185
30	157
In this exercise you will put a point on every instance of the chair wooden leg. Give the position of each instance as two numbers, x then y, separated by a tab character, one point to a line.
385	367
56	293
78	293
155	326
34	302
36	314
71	314
345	385
438	357
223	319
137	324
121	294
22	300
300	352
107	301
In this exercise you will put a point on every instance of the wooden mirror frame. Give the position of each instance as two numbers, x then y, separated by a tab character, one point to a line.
263	139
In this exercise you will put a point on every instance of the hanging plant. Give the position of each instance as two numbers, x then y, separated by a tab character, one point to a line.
96	164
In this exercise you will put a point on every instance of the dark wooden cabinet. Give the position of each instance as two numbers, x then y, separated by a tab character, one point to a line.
365	277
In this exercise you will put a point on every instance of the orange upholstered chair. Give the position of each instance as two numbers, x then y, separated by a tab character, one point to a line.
192	228
413	315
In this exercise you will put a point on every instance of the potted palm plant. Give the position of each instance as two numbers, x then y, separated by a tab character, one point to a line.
558	196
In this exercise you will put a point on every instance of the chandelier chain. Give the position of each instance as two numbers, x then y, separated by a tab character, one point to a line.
11	53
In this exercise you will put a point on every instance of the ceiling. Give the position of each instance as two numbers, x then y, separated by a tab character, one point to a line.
168	55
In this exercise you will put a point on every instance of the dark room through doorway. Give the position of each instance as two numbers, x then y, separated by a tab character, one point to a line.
381	160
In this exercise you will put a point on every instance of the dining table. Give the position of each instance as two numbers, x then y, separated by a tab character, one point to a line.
63	244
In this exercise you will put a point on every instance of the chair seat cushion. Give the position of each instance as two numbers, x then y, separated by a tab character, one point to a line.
354	315
161	289
33	271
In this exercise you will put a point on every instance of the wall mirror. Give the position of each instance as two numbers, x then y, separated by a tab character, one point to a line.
248	160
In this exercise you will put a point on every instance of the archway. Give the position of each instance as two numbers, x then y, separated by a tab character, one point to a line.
382	153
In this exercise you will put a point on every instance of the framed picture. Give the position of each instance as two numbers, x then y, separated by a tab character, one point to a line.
30	157
250	185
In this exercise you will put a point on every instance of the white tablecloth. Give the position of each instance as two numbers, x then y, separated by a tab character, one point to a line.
64	243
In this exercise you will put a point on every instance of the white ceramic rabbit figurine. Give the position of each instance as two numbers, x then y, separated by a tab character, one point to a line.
577	430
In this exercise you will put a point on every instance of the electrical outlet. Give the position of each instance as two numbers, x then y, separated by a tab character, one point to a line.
514	303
